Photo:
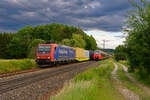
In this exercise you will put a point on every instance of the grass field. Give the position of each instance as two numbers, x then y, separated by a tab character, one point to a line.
94	84
16	65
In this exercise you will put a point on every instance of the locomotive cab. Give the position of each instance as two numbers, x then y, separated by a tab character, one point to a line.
44	55
52	54
97	55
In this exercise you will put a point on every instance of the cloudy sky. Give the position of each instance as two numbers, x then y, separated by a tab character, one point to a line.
100	18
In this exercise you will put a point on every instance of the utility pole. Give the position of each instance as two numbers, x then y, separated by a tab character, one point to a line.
79	29
104	41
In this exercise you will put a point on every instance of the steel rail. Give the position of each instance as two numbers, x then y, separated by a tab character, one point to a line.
9	85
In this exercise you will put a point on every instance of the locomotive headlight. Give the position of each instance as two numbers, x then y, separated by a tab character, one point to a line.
48	57
38	57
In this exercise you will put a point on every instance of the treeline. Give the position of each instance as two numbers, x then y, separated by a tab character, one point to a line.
110	51
137	45
5	39
23	43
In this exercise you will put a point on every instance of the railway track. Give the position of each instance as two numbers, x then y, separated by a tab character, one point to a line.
9	85
18	72
3	75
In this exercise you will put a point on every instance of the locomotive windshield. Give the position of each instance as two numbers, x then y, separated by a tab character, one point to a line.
44	49
96	52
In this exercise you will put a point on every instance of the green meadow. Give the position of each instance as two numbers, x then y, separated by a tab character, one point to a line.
94	84
16	65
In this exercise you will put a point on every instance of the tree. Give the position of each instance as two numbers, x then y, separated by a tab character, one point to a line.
76	41
5	39
68	42
16	48
91	43
20	44
138	40
120	53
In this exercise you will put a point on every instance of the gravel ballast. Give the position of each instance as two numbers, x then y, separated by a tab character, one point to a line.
39	89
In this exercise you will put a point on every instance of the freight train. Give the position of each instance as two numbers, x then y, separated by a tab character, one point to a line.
53	54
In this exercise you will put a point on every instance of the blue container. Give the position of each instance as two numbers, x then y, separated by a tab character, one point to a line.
64	53
91	55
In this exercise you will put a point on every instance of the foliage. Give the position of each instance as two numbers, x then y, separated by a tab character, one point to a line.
82	41
90	42
120	53
138	40
19	46
33	47
76	41
5	39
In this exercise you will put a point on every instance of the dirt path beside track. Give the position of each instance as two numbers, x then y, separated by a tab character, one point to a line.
145	88
126	93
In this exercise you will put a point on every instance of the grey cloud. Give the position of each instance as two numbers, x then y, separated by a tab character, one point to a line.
106	15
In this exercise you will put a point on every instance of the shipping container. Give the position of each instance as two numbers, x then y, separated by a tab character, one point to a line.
91	55
64	53
81	54
86	54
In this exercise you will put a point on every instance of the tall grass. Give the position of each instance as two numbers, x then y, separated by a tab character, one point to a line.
135	74
94	84
16	65
130	85
143	80
124	62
